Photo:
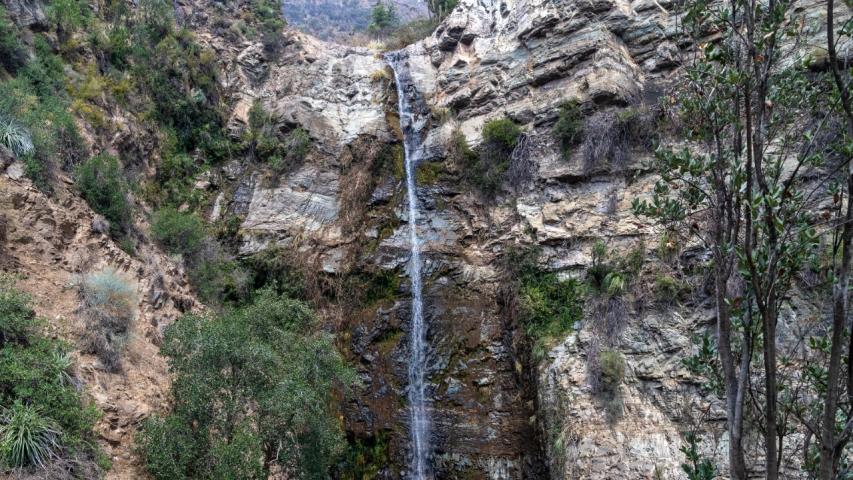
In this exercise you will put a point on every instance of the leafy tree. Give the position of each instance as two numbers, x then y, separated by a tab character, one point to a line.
755	112
697	466
834	436
439	9
252	389
382	18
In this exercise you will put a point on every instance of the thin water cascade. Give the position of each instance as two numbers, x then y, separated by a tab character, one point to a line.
412	123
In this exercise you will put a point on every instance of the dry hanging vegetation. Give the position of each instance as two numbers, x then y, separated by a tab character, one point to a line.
108	308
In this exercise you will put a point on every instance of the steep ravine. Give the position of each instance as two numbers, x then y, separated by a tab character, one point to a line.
496	414
345	218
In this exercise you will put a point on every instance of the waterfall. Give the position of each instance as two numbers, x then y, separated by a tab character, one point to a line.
412	123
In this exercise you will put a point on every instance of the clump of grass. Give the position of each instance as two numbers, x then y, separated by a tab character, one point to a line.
109	308
612	369
15	137
27	438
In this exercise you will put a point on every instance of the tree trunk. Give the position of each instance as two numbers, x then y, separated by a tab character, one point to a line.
828	448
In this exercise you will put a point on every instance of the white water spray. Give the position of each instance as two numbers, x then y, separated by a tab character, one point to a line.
412	124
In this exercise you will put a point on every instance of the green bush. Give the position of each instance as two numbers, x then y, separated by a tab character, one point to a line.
668	288
549	307
486	170
101	183
295	147
178	232
17	321
252	387
67	16
43	415
36	103
219	280
173	184
13	54
267	145
612	365
109	307
613	276
502	134
267	19
569	127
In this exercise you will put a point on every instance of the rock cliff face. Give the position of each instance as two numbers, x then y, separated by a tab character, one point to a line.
497	413
520	59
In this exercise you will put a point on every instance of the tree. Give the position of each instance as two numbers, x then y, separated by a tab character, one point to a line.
438	9
253	388
382	19
752	110
833	442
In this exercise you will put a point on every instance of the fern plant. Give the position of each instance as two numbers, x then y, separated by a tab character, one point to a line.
15	137
27	438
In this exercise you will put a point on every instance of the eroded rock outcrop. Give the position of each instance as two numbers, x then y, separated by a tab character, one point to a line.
520	59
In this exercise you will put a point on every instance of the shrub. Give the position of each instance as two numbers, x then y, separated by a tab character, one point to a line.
609	137
219	280
109	307
549	307
487	169
179	232
17	321
668	288
459	152
41	407
67	16
101	183
266	15
569	127
13	54
173	183
613	276
612	365
27	438
296	145
36	101
501	134
264	365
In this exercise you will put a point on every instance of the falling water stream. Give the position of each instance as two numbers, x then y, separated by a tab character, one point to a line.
412	124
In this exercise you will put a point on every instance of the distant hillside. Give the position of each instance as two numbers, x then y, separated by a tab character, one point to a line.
339	19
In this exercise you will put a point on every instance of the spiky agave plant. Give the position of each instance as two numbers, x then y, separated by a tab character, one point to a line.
26	437
15	137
